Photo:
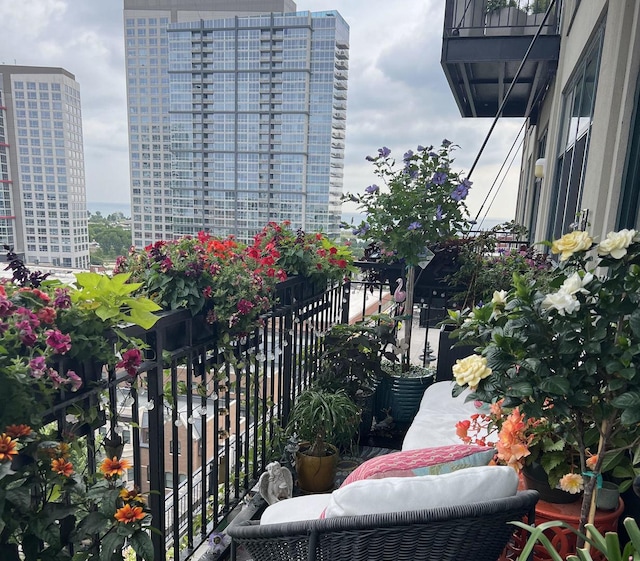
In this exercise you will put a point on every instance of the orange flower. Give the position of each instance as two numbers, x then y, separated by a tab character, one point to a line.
462	429
128	514
16	431
114	467
132	496
7	448
591	461
62	467
572	483
513	444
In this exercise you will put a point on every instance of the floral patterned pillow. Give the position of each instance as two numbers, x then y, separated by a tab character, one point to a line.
424	461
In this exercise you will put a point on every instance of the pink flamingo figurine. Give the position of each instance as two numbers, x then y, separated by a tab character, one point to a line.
399	297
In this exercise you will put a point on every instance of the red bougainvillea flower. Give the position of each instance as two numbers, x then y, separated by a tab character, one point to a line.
7	448
130	361
113	467
62	467
129	514
18	431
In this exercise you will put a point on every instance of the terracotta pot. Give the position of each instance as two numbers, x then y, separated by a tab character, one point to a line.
316	474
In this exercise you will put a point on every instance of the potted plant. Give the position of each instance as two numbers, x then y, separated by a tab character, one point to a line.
420	205
400	392
48	510
568	351
323	421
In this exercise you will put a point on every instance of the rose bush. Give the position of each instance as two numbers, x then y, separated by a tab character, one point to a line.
568	350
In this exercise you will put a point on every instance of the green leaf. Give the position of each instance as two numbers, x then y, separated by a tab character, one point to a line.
93	523
556	385
634	322
110	543
628	399
141	543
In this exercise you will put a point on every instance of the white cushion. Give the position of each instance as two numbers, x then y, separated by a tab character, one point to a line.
306	507
435	422
398	494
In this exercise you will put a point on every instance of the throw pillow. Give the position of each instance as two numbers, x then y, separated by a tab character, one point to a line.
399	494
425	461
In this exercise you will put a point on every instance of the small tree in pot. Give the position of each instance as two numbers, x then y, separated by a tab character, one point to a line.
323	421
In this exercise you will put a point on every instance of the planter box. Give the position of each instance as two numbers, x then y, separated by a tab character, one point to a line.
402	395
506	21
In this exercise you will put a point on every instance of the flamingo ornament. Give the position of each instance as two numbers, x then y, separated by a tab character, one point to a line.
399	296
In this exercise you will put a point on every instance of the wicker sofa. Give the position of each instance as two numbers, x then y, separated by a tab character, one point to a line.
473	531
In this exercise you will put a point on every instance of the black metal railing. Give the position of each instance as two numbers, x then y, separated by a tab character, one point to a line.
203	419
488	17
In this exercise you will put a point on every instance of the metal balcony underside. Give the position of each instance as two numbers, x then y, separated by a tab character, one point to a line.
480	70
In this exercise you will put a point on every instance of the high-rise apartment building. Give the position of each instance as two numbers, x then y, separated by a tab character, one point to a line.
257	113
43	209
236	116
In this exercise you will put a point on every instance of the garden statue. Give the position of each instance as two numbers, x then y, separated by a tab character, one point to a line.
276	484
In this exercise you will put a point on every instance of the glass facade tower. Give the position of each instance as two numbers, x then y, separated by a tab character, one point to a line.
257	116
235	117
43	208
147	65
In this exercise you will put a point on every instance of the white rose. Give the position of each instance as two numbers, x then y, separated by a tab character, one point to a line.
576	283
561	301
616	243
471	370
499	298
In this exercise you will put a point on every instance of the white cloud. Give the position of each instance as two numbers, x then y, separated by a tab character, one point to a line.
398	94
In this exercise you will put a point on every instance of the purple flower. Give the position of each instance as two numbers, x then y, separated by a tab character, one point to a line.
446	143
433	154
413	174
407	155
372	189
439	178
58	341
439	212
420	148
461	191
384	152
62	300
414	226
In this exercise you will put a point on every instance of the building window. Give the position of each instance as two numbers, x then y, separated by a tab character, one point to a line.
573	146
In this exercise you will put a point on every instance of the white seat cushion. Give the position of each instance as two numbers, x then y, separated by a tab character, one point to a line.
399	494
435	423
306	507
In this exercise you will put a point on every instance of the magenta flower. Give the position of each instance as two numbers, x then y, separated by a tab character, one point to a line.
26	334
76	381
130	361
55	377
6	307
244	306
38	366
58	341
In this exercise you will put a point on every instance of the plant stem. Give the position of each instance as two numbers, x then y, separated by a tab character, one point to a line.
408	311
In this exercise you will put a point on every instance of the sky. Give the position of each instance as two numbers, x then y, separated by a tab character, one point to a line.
398	95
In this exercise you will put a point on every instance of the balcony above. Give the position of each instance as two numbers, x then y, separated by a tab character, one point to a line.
482	50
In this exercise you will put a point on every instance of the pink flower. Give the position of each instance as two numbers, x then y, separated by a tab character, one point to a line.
76	381
131	359
37	366
58	341
62	300
572	483
55	377
6	306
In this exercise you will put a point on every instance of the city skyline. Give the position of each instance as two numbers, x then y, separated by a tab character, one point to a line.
398	94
